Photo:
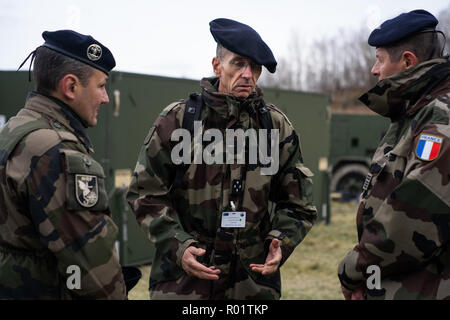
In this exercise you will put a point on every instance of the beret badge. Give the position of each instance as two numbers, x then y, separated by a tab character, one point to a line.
94	52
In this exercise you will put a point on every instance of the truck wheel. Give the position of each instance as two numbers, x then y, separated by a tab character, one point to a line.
348	181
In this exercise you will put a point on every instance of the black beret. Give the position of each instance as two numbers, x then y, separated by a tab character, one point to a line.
243	40
402	26
80	47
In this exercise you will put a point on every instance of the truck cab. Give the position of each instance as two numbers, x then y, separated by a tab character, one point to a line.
353	141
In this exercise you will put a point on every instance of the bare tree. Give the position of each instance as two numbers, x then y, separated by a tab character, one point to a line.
327	65
290	70
338	65
444	26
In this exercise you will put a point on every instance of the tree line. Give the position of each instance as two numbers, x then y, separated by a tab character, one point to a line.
336	65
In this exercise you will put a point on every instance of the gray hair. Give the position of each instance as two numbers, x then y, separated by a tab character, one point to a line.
221	51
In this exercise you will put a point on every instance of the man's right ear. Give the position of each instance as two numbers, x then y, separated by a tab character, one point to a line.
216	66
409	59
68	86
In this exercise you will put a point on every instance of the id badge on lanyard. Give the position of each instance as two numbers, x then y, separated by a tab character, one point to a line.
233	219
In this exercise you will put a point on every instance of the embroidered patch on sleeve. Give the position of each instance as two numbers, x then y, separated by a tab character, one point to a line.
86	189
428	147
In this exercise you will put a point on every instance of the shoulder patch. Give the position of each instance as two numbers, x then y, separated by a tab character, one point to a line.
86	190
428	147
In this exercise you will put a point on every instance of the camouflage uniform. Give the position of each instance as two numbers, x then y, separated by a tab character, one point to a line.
175	218
45	156
403	219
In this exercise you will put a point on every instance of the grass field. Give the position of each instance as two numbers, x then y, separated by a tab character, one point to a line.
311	271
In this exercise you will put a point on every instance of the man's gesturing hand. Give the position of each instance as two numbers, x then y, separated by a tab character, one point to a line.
272	261
195	268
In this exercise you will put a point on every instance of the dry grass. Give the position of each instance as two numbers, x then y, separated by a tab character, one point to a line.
311	271
140	291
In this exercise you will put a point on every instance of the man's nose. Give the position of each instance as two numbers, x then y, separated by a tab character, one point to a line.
375	69
105	97
247	73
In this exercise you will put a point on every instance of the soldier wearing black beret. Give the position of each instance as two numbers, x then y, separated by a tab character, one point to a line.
403	225
57	237
404	41
187	209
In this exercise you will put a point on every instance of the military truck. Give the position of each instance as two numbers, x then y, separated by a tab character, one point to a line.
353	140
135	102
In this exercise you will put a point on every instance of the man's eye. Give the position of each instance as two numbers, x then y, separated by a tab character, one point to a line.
255	67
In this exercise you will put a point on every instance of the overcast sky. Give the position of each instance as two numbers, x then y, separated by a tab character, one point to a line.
172	38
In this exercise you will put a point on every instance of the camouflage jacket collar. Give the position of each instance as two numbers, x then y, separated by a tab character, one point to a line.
408	91
225	105
60	114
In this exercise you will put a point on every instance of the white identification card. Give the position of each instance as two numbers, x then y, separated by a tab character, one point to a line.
233	219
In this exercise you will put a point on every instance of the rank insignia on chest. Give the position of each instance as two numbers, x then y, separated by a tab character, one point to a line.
86	189
428	147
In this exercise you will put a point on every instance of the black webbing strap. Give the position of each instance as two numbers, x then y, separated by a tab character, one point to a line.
192	112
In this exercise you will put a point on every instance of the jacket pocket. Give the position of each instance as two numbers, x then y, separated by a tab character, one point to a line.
305	181
85	182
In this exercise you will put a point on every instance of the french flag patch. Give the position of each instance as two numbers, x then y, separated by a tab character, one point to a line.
428	147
